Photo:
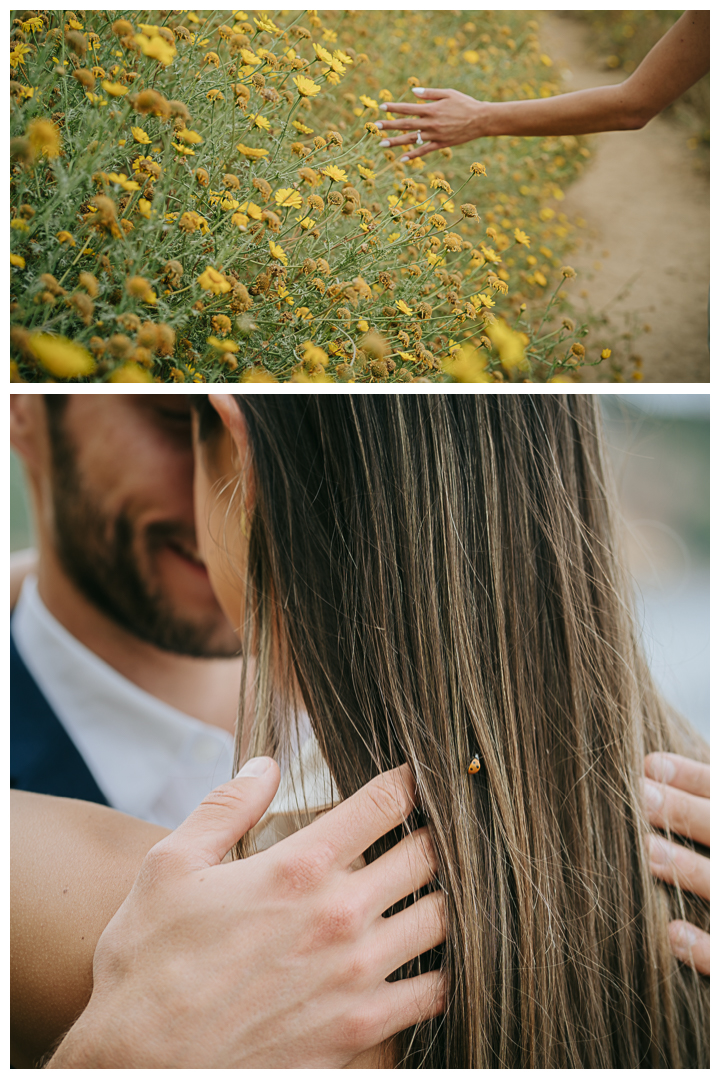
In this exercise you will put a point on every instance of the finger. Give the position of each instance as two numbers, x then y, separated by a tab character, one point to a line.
403	870
400	140
691	945
356	823
687	815
400	125
427	93
226	814
678	865
679	772
413	931
421	151
406	108
403	1004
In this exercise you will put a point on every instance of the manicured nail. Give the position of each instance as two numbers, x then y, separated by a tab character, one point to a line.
406	158
385	142
659	850
384	106
379	124
418	89
661	768
653	795
256	766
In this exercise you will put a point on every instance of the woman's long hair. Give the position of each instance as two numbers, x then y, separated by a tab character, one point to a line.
440	577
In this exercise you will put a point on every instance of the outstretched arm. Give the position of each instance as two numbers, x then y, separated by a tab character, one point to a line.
277	960
448	118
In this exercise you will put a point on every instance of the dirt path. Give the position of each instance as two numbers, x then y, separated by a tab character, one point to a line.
648	213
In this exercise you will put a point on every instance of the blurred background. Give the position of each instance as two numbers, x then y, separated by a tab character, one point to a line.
659	447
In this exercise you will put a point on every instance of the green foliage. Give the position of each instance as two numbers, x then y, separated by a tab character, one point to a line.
199	199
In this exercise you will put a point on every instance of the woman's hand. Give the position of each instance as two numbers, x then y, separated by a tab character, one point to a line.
444	118
677	797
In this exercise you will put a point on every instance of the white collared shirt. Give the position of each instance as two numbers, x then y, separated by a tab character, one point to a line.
148	758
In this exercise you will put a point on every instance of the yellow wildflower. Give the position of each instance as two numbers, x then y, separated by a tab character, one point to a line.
322	53
288	197
249	57
363	326
65	238
211	58
44	138
61	357
130	373
214	281
181	149
225	345
306	87
567	272
306	223
265	23
139	287
606	354
521	237
277	252
215	95
302	128
335	174
17	260
466	364
251	152
140	136
121	179
510	346
156	48
114	89
402	306
144	207
368	102
241	220
478	168
33	24
191	137
18	54
259	121
368	174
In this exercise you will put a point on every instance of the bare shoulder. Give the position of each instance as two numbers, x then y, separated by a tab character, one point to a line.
72	865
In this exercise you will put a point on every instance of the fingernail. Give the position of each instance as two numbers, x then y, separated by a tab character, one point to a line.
653	795
418	89
384	106
256	766
406	158
658	850
661	768
683	936
379	125
385	142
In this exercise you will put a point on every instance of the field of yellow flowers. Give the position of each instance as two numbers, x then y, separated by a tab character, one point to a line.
201	196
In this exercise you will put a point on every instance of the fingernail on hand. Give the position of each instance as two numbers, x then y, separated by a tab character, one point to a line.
379	125
653	795
256	766
385	142
661	768
406	158
418	89
659	850
384	106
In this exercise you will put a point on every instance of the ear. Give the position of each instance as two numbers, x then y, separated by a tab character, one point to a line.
229	412
27	427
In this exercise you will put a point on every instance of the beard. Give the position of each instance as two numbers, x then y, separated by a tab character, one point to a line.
100	555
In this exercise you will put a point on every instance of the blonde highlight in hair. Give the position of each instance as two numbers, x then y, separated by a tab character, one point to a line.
438	576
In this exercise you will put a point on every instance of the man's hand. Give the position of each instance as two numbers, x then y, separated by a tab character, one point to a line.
677	797
279	960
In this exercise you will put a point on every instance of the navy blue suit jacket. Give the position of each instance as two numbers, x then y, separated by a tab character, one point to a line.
43	757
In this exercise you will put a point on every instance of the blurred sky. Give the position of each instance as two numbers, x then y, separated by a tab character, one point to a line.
659	447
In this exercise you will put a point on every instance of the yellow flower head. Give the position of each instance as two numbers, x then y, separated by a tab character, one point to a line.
259	121
215	95
139	287
65	238
335	174
62	358
521	237
224	344
306	87
368	102
191	137
322	53
478	168
17	260
114	89
44	138
156	48
251	152
214	281
140	136
277	252
302	128
402	306
606	354
288	197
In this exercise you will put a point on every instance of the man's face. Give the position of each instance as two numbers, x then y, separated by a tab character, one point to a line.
122	488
